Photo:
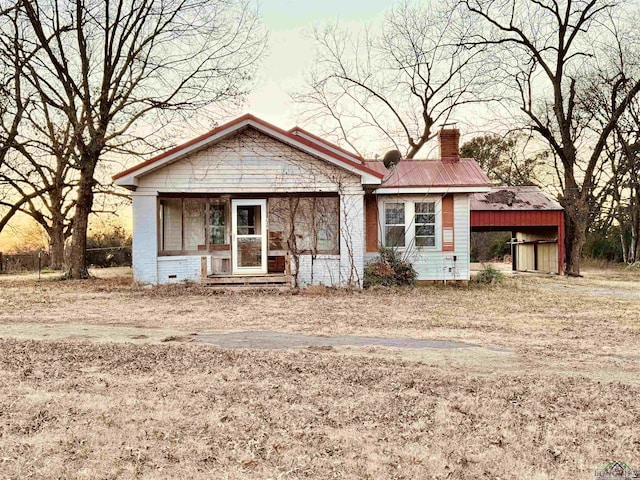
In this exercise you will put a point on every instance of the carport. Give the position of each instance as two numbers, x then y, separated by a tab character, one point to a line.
535	220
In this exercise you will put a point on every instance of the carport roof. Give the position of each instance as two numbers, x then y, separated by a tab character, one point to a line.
525	198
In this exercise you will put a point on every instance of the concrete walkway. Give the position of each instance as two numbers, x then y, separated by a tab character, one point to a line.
270	340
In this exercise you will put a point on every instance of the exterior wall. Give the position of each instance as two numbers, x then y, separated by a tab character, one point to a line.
249	163
435	264
181	268
516	218
346	269
352	239
145	238
319	270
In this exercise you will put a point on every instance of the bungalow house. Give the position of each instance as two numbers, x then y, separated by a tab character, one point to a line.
250	202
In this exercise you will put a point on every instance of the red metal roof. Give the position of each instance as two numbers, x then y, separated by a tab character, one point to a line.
432	173
297	138
523	198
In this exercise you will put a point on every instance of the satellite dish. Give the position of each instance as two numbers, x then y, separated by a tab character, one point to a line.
392	158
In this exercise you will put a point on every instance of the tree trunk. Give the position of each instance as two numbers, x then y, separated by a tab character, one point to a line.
84	205
56	244
623	242
576	222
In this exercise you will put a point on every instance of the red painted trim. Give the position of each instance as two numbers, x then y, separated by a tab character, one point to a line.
249	117
520	218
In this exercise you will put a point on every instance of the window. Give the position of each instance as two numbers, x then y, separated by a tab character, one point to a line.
171	224
315	224
409	223
217	222
425	224
394	225
326	221
193	225
194	211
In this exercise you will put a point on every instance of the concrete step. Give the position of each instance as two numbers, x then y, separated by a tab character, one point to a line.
247	280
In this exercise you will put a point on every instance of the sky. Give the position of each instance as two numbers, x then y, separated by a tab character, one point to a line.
291	51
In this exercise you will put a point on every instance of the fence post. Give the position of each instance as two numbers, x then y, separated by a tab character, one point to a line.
1	262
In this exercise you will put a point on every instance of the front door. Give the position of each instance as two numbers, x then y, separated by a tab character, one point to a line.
249	236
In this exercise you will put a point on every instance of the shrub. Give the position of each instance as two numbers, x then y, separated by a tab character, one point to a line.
489	275
603	246
109	248
389	270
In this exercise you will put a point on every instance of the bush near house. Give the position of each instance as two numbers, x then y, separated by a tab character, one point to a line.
389	270
489	275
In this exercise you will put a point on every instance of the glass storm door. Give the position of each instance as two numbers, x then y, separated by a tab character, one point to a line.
249	243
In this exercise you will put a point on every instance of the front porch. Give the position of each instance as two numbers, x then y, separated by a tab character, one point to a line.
287	239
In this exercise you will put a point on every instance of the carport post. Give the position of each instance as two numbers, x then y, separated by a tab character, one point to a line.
514	249
561	243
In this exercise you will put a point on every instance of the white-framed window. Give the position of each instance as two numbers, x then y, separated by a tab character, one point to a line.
410	222
425	224
394	224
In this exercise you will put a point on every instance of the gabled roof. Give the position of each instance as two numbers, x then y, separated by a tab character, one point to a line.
314	146
525	198
462	175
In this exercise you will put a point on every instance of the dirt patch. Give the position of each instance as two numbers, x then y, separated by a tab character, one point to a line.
98	333
270	340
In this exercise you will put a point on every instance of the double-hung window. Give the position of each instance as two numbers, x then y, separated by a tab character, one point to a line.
425	224
394	224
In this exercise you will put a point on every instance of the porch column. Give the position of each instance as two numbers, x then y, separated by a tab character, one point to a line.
352	239
145	237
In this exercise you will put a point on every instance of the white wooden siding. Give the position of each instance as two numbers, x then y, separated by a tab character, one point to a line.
250	162
433	263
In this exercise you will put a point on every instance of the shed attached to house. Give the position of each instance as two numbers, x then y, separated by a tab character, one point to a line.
535	220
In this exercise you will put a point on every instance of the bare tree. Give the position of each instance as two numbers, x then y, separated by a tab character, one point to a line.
24	181
35	165
545	48
117	70
399	82
619	198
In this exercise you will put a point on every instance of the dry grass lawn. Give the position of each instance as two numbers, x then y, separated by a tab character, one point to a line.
91	390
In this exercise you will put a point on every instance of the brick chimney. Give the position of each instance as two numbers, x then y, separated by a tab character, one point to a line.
449	144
